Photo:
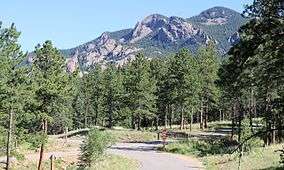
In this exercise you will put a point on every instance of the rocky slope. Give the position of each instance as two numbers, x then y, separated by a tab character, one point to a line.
158	35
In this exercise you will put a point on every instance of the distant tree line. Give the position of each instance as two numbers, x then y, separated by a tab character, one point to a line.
150	92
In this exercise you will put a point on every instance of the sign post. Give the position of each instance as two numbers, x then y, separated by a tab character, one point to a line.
164	137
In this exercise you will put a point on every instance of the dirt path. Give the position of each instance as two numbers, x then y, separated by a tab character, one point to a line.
151	159
145	153
68	151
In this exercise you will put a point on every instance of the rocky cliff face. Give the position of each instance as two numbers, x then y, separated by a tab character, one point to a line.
158	35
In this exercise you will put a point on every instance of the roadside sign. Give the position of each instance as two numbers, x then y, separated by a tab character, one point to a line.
164	136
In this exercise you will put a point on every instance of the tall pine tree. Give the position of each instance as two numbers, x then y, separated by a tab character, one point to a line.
51	88
13	77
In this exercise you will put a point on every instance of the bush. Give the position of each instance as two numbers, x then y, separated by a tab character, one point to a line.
282	156
202	147
94	146
246	133
3	134
35	140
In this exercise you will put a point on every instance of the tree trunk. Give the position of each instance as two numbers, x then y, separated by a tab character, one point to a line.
96	118
9	141
268	116
66	132
157	122
250	108
44	128
220	115
201	115
166	116
86	115
239	122
191	120
139	122
110	116
233	121
206	117
279	128
171	115
181	118
132	121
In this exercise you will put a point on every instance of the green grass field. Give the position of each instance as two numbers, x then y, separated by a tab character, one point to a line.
259	158
216	156
126	135
112	162
108	162
215	153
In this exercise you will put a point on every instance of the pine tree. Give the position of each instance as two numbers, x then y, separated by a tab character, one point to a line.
96	97
140	91
184	83
158	72
51	88
85	98
13	79
209	65
112	92
258	59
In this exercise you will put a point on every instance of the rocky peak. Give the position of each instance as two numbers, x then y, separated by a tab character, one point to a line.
216	16
217	12
103	39
164	36
175	19
155	21
161	28
180	28
156	35
148	25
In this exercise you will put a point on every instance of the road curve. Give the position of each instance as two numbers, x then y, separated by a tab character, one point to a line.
151	159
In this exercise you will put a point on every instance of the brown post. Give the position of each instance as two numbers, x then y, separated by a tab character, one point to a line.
201	116
191	121
51	162
9	136
44	127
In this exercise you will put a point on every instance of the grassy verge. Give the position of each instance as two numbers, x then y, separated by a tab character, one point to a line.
111	162
132	135
258	158
215	154
108	162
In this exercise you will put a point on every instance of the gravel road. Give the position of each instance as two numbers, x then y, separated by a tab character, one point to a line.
151	159
145	153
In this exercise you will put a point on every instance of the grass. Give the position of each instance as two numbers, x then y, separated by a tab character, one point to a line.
132	135
108	162
61	145
201	148
258	158
26	165
216	155
196	126
112	162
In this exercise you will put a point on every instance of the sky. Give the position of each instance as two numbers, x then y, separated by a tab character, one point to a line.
69	23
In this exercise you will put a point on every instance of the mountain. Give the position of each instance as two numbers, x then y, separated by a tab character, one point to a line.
158	35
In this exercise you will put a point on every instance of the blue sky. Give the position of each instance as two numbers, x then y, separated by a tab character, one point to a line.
69	23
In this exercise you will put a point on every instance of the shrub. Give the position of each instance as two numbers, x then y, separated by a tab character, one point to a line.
246	133
3	134
202	147
282	156
35	140
94	146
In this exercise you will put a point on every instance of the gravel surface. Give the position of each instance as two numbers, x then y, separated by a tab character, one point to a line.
151	159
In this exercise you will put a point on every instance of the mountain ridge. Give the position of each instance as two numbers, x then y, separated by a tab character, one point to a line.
158	35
